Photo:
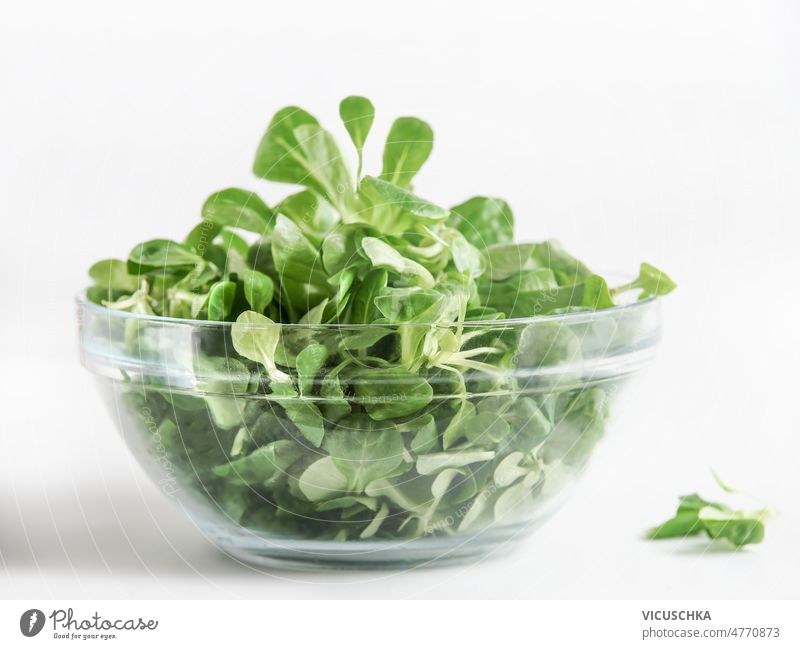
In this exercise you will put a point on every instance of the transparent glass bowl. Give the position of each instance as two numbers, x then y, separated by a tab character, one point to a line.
416	466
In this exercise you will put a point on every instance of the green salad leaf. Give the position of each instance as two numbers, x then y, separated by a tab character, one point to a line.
696	515
408	146
357	113
238	208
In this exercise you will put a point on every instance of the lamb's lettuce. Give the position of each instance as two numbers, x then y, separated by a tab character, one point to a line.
697	516
419	423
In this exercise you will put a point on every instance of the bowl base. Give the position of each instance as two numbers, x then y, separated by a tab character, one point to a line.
299	555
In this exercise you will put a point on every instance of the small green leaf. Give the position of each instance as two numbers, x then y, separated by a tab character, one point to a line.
410	304
234	245
508	471
504	260
201	236
256	337
308	419
546	344
408	146
278	152
310	212
696	515
309	363
738	532
435	462
335	406
595	293
357	113
258	289
239	208
651	280
484	222
386	194
568	269
160	254
685	524
346	278
322	480
304	283
391	392
487	429
262	464
382	255
514	502
365	338
314	315
458	426
466	257
220	300
112	274
363	308
426	437
363	454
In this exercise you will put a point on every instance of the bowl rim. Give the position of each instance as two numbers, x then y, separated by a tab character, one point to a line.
574	317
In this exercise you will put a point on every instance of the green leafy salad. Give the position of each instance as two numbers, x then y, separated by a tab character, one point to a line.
380	372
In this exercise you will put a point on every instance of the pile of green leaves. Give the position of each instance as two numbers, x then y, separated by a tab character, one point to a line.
422	423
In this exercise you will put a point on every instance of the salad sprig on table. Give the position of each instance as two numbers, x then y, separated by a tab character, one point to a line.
347	432
697	516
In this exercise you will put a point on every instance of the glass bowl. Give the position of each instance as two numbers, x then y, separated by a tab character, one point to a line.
359	461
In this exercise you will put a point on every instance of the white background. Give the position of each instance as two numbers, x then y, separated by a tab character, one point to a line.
658	131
